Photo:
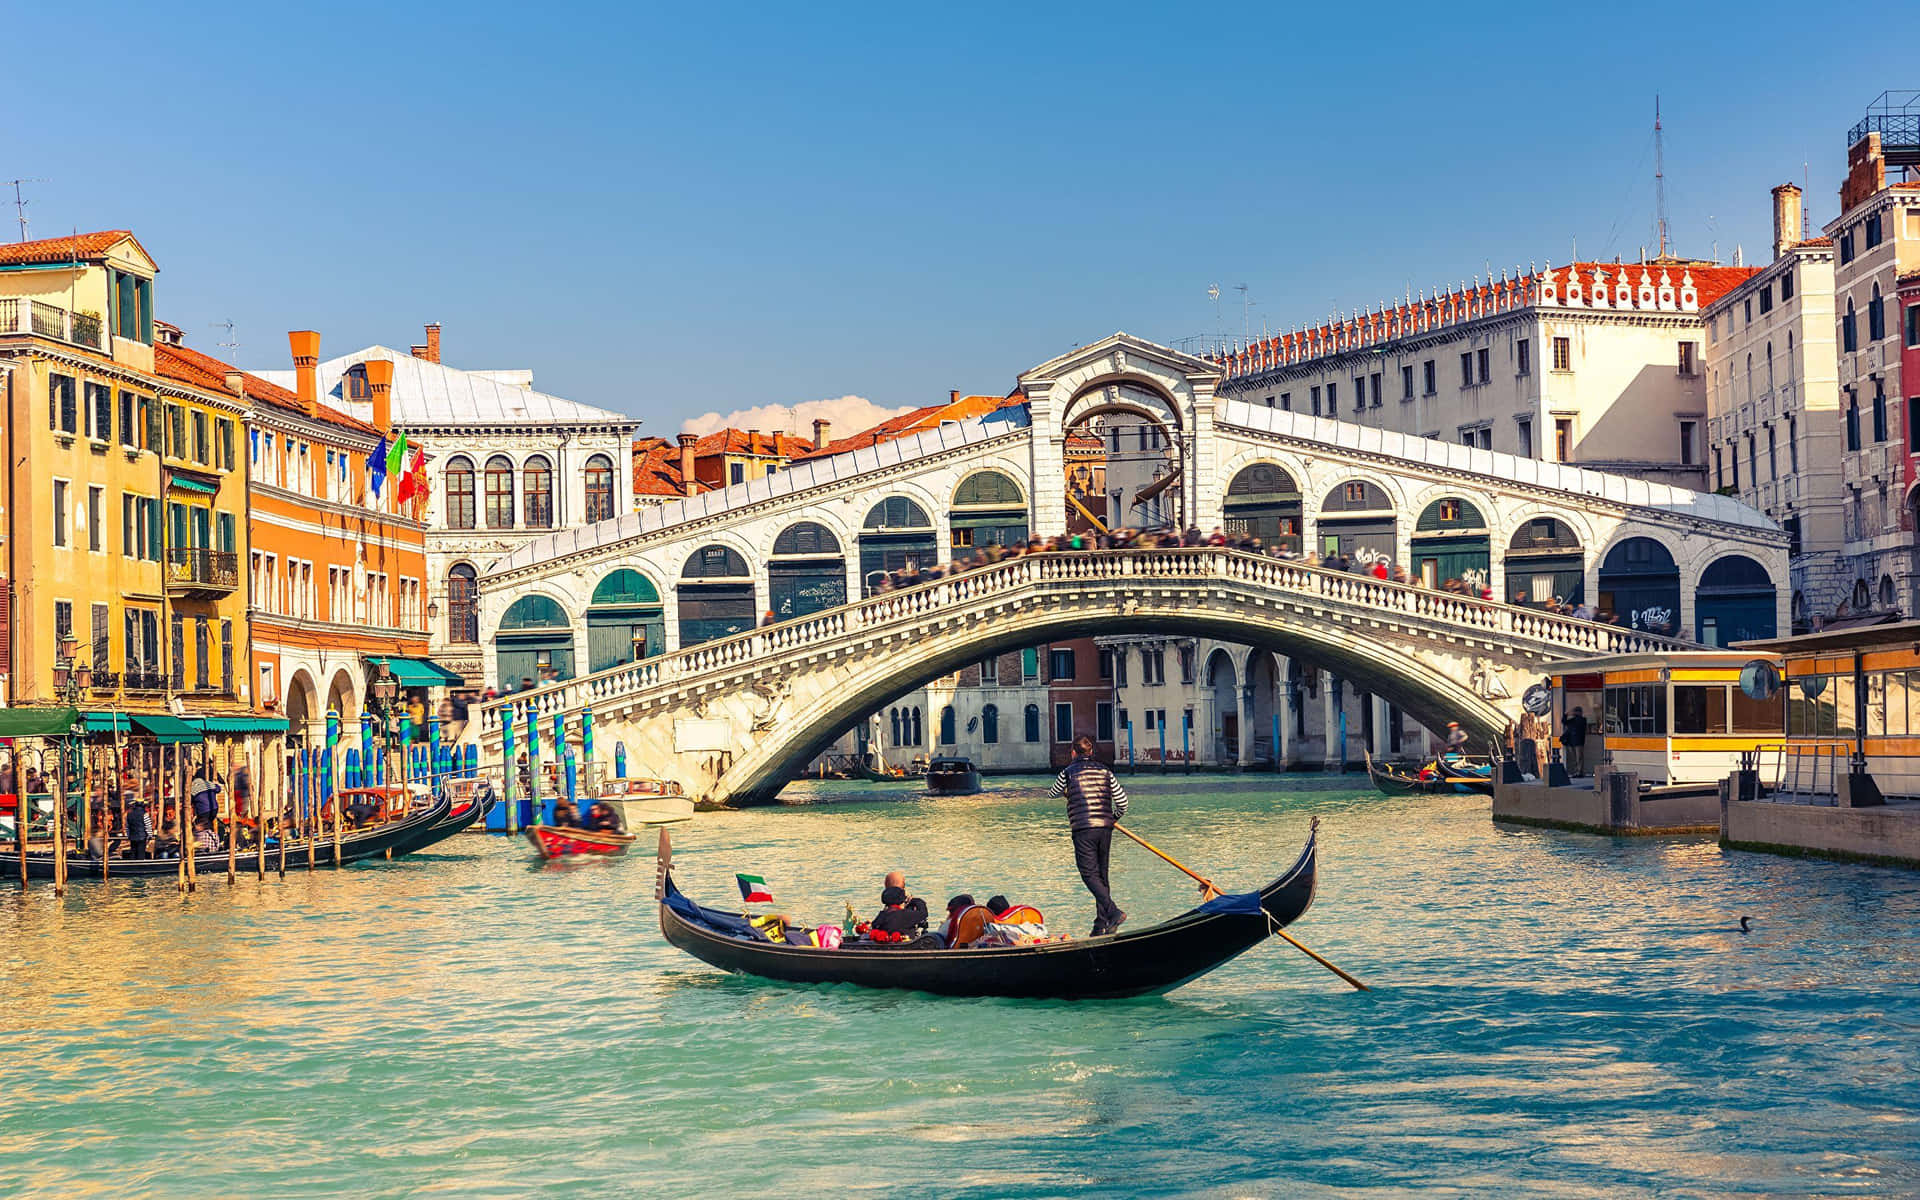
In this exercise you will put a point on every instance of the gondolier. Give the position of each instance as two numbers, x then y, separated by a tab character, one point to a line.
1095	803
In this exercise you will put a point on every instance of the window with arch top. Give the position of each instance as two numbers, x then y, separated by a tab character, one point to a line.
463	618
499	492
714	562
536	480
599	488
460	508
897	512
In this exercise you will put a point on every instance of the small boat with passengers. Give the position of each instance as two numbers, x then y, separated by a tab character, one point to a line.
645	801
952	777
555	841
1143	962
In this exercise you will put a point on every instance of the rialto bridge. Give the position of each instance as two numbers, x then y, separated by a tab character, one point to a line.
727	708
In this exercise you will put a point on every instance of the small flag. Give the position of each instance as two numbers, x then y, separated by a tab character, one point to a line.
405	491
377	465
753	889
397	454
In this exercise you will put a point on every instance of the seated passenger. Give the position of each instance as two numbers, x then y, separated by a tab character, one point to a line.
167	845
603	818
901	918
362	809
998	904
955	907
565	815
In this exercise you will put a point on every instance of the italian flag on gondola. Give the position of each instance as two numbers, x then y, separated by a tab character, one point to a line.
753	889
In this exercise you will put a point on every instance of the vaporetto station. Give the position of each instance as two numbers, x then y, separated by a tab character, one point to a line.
729	717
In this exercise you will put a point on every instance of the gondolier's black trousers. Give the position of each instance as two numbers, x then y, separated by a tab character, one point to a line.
1091	848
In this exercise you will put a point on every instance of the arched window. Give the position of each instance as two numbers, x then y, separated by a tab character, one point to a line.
536	480
918	732
599	488
499	492
893	717
1849	331
460	493
1886	591
1862	598
1032	718
1876	316
990	724
463	619
988	489
947	734
806	539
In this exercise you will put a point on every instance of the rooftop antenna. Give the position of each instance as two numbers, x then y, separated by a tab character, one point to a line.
20	203
1219	326
1806	190
231	344
1246	309
1659	179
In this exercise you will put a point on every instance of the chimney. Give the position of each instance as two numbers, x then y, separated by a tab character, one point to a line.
236	383
380	389
822	434
431	351
305	344
1786	218
953	395
686	462
753	441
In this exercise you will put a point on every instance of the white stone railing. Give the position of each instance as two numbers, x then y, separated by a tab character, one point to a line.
958	595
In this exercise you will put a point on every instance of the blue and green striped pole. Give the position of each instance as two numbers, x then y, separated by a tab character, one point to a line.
533	757
509	777
586	742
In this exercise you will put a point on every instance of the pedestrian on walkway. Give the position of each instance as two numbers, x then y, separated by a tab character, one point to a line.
1573	739
1095	804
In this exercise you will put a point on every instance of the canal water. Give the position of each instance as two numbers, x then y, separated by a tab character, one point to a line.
1552	1014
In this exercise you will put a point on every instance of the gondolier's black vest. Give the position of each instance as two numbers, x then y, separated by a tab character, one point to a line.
1094	797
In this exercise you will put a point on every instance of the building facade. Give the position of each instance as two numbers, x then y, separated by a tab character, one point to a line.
1876	240
1773	414
1598	364
511	464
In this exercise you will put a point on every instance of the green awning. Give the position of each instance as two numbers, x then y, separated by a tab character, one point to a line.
238	724
166	729
106	722
187	484
37	722
416	672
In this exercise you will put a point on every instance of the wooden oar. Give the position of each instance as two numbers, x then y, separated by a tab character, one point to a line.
1208	891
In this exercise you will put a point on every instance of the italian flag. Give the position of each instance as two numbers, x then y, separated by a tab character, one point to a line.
753	888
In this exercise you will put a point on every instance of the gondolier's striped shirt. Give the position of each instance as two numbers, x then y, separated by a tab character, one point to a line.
1095	798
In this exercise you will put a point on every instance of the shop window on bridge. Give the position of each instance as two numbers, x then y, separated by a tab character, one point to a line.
1264	502
1544	561
1640	584
1450	544
535	642
716	596
626	621
807	573
989	509
1357	521
896	534
1637	710
1735	602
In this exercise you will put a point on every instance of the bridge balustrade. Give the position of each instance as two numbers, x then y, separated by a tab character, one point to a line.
950	597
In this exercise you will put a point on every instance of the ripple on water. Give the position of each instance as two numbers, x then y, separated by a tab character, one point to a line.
1553	1014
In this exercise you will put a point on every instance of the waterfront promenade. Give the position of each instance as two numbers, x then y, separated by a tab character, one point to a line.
1551	1015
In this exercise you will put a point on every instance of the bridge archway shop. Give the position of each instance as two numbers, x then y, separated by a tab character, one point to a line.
1735	602
535	642
1264	502
1640	583
1357	520
1544	562
716	596
897	534
807	573
989	509
626	620
1450	541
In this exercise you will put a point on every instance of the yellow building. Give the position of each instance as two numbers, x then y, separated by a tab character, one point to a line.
126	503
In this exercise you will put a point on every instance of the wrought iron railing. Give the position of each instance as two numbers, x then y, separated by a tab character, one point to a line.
203	568
51	321
953	596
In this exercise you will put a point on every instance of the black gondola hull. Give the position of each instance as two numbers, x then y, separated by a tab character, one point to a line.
1145	962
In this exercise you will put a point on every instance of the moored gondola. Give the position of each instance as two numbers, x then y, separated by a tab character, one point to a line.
1147	961
1443	775
391	839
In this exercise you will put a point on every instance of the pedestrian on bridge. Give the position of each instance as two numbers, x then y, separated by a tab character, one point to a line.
1095	804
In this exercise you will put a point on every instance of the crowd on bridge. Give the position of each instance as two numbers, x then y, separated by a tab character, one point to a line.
1370	564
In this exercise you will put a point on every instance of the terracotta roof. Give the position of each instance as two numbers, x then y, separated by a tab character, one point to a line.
656	469
204	371
1819	241
963	408
765	445
62	249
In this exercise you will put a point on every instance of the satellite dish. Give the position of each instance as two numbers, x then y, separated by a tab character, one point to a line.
1759	680
1538	700
1812	685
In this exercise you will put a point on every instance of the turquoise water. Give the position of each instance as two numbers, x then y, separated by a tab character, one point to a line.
1552	1014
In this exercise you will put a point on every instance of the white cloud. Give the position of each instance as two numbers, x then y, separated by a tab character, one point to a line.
849	414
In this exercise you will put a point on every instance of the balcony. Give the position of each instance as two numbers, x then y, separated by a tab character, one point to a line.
22	315
202	572
146	681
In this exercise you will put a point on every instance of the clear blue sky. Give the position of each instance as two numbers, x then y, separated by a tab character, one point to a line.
698	207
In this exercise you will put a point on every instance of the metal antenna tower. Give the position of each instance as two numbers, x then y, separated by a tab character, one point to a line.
1659	179
20	203
1246	311
231	344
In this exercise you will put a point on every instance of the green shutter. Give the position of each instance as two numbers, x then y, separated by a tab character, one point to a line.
226	531
154	527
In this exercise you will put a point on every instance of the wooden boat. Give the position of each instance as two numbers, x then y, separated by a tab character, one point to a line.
1147	961
952	777
1442	775
389	839
554	842
646	801
470	799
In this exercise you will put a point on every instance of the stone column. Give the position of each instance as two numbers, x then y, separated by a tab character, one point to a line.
1283	704
1330	733
1382	739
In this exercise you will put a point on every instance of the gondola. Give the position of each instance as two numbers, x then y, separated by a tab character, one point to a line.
1438	777
552	841
391	839
1145	962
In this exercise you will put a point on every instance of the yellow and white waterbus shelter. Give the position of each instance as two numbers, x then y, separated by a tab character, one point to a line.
1671	718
